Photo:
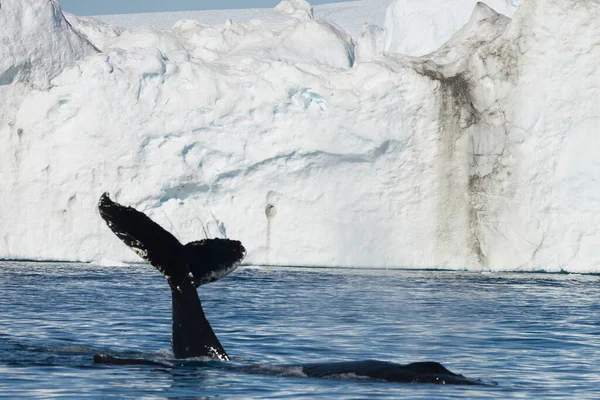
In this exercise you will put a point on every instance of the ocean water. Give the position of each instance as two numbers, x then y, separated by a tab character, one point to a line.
524	335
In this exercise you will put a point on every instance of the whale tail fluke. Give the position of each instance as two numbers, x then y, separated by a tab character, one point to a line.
207	260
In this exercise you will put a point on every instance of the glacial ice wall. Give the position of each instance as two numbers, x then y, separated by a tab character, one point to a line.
36	44
313	147
417	27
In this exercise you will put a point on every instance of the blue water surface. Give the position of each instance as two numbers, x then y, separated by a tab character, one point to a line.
525	335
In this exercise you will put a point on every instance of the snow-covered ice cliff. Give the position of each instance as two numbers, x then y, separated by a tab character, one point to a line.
308	141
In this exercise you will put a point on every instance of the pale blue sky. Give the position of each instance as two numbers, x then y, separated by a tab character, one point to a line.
99	7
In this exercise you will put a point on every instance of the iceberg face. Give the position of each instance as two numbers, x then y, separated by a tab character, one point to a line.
314	148
96	32
540	191
37	43
417	27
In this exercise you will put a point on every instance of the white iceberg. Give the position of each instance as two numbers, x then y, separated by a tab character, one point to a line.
309	145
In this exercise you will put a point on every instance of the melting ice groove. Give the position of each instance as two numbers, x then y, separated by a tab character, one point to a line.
486	120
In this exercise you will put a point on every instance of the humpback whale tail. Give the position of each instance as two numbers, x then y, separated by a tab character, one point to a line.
184	266
207	260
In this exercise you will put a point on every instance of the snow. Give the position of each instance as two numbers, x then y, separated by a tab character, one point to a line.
316	136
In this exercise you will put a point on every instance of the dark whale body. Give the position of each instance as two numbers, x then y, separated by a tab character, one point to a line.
186	267
419	372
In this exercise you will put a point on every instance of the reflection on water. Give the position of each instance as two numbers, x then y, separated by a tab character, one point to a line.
536	335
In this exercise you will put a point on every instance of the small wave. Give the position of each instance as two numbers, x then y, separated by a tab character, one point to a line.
73	349
347	376
105	262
